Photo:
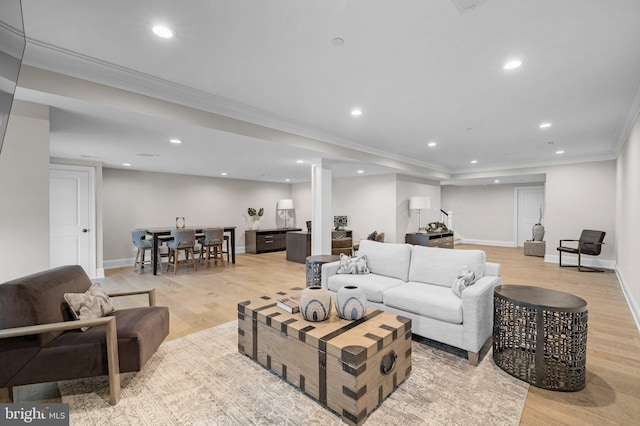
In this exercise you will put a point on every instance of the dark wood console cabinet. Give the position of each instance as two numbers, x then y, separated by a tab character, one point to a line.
266	240
440	239
299	243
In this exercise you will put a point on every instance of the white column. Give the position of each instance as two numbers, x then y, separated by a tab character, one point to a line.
321	219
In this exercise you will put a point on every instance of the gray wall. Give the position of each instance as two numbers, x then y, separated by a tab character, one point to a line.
482	212
577	196
373	203
134	199
24	191
628	217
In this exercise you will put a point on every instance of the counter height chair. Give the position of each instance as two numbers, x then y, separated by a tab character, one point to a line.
183	240
212	242
142	244
590	243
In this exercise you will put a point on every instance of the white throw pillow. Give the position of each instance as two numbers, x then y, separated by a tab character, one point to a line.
464	280
352	265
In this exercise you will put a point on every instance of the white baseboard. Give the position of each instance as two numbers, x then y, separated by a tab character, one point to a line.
586	261
118	263
488	243
633	305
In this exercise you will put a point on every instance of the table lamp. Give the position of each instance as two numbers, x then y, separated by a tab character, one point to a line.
285	204
418	203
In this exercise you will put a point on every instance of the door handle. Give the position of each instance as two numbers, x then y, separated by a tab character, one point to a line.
85	230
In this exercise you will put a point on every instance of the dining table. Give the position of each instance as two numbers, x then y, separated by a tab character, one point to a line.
161	234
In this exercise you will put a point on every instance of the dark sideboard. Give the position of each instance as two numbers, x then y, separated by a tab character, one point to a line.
266	240
430	239
299	244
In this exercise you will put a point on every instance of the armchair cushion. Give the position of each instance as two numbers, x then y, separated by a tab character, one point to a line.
93	303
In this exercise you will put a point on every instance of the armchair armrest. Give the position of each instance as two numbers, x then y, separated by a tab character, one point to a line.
150	291
329	269
111	339
560	243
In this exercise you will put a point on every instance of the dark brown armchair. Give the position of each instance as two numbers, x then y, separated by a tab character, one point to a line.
40	342
590	243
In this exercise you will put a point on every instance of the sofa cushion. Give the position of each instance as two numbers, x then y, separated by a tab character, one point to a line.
390	260
427	300
372	284
441	266
352	265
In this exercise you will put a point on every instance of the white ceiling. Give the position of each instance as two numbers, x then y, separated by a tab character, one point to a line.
421	71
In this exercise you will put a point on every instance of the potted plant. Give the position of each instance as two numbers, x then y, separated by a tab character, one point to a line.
255	216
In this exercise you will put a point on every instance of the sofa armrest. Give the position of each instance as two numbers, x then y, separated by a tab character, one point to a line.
151	292
492	269
329	269
477	312
111	336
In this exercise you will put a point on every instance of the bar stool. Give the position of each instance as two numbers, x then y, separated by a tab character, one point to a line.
183	240
139	241
212	241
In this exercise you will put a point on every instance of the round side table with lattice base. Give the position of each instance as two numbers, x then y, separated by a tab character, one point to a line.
314	267
540	336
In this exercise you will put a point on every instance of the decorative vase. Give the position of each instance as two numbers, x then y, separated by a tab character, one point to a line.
538	232
255	224
308	226
351	302
315	303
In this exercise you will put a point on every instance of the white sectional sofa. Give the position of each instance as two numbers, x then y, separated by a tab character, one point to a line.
415	282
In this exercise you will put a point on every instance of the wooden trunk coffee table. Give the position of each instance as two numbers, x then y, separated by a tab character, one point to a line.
348	366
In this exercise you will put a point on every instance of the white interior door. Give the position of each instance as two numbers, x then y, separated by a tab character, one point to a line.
71	200
530	200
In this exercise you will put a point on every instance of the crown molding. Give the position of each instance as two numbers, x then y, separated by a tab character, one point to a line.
53	58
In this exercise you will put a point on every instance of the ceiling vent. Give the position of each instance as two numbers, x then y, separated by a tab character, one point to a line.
467	5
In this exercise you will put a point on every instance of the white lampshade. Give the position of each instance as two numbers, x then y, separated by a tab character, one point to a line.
419	203
285	204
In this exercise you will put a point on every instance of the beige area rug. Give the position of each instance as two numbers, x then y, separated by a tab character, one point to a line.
201	379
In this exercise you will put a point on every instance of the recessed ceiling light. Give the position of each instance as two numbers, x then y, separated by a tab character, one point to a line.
162	31
474	161
360	171
432	144
496	181
545	125
300	161
513	64
560	152
126	164
174	140
356	112
287	180
223	173
337	41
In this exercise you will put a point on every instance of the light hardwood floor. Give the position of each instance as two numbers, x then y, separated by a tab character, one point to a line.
203	299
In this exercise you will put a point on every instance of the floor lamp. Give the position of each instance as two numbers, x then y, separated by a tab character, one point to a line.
419	203
286	205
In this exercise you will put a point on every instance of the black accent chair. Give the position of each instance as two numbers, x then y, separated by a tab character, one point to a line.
590	243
